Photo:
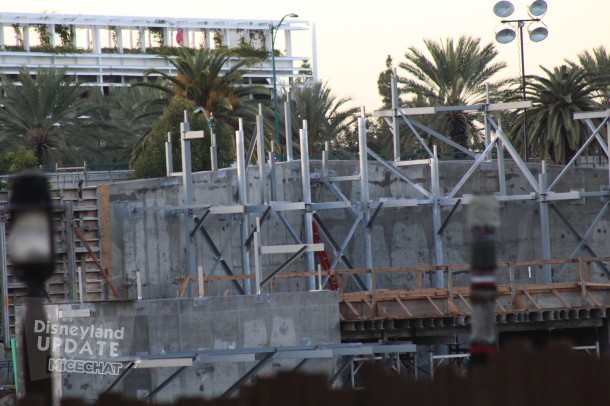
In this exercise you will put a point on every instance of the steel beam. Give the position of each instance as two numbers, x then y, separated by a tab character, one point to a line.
513	153
395	122
364	198
307	217
166	382
396	171
576	234
122	376
545	234
187	198
591	228
223	263
578	153
247	375
342	369
436	217
289	261
260	149
243	199
6	330
449	216
471	170
288	126
415	132
225	245
444	139
333	188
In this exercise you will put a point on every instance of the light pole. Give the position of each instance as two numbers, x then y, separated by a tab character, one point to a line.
504	9
274	29
32	252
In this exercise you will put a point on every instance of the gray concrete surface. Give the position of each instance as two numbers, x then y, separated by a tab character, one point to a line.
166	326
152	241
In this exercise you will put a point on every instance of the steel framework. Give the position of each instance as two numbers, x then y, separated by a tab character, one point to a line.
366	211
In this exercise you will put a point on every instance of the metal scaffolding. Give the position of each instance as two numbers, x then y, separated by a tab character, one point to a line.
367	210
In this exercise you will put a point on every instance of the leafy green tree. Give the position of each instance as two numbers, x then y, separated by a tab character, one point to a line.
150	162
328	118
451	74
384	84
42	114
18	160
552	131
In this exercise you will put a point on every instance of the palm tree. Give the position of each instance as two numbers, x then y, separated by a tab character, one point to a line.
127	115
327	117
42	113
552	131
200	78
452	74
597	65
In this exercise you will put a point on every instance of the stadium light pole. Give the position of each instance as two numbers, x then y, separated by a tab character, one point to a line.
504	9
274	29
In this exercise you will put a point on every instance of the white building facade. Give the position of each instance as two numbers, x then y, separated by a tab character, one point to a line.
106	51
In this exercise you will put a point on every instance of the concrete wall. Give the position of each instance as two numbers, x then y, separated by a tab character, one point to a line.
153	242
165	326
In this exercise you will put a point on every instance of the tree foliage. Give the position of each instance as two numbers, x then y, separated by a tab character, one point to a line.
18	160
555	97
42	113
328	117
150	162
451	74
200	78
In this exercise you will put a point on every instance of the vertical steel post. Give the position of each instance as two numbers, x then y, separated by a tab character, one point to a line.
308	217
288	126
325	154
258	271
608	143
243	200
364	198
486	122
79	274
501	166
70	249
200	281
187	197
260	150
213	149
436	218
139	284
4	269
169	160
395	120
545	235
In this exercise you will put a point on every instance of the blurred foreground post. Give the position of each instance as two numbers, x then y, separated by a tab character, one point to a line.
483	219
32	253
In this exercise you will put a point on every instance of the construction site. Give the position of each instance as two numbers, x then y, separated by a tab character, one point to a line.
199	283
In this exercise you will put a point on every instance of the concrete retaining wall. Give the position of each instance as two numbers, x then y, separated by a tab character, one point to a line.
166	326
153	242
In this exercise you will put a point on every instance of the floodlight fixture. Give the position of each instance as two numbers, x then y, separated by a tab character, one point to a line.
538	34
506	35
538	8
503	9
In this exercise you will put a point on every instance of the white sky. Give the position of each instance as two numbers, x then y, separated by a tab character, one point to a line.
354	37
